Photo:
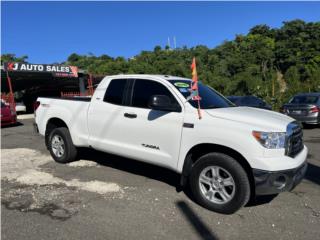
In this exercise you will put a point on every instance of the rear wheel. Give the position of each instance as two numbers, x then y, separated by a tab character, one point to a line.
219	183
61	146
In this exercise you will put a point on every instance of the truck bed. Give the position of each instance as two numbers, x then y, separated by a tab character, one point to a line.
73	111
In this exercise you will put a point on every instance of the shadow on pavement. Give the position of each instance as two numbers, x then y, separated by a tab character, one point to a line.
260	200
153	172
313	173
18	124
131	166
195	221
310	126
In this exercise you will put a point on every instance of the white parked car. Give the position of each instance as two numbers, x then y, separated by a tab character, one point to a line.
225	157
20	107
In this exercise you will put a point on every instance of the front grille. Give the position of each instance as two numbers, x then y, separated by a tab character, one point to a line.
294	142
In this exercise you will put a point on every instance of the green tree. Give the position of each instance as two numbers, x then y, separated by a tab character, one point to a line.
12	58
265	62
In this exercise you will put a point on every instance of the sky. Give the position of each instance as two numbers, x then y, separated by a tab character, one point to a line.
48	32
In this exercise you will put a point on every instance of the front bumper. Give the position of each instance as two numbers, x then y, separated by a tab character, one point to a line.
272	182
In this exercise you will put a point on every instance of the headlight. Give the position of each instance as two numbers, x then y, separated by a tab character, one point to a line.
271	140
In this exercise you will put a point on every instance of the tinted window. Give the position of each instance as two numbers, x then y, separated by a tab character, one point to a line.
235	100
144	89
115	91
252	101
304	99
209	97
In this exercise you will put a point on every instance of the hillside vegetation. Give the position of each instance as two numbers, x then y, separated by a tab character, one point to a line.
267	62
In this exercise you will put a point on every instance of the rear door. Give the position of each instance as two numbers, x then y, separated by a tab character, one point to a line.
105	117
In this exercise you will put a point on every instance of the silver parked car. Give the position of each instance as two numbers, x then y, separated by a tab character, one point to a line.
20	107
304	107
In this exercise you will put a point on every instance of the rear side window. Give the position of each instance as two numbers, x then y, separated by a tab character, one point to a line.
144	89
115	92
304	99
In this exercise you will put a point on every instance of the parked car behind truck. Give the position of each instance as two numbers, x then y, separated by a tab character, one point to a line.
20	108
249	101
304	107
225	157
8	115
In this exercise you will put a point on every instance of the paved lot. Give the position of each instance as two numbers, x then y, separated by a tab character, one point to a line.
107	197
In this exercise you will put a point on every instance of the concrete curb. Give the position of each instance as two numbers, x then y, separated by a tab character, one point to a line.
25	116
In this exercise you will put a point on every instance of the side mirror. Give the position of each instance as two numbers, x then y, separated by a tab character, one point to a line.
162	103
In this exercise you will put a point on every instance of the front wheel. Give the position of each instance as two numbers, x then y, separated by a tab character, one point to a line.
219	183
61	146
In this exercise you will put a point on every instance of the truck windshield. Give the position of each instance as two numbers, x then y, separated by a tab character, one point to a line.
209	97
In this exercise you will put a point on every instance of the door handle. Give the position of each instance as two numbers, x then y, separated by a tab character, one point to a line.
130	115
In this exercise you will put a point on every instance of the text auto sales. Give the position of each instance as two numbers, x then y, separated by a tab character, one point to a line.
57	70
40	68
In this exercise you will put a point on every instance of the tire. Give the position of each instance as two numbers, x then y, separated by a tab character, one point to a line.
67	152
221	194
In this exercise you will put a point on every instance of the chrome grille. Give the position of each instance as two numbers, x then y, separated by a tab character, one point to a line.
294	141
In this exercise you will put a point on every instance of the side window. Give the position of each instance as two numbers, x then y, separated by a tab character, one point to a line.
144	89
245	100
251	100
115	91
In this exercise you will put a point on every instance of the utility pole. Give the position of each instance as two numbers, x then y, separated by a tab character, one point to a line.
273	87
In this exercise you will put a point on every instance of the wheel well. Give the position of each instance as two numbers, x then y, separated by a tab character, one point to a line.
52	124
199	150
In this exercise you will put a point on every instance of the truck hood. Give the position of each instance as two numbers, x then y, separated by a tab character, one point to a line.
264	119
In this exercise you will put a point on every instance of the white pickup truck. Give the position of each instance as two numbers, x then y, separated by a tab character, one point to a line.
225	157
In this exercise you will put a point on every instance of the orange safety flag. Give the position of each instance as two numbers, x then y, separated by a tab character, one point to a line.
194	86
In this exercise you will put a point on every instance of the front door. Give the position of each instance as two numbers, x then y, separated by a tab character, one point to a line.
152	136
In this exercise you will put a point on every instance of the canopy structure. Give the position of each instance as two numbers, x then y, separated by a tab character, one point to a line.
34	80
25	76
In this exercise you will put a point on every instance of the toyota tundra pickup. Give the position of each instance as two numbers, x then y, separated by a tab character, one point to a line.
227	156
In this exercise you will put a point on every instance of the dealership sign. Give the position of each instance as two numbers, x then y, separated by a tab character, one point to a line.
56	70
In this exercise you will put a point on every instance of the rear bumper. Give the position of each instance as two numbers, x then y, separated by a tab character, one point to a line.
272	182
5	121
307	119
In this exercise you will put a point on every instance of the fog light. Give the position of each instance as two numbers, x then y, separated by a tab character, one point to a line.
280	182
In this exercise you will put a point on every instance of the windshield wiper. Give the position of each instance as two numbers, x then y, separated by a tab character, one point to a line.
212	107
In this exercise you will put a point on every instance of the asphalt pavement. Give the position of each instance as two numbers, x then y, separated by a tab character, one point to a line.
103	196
